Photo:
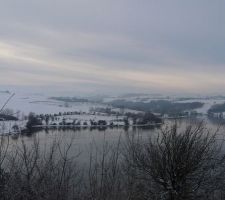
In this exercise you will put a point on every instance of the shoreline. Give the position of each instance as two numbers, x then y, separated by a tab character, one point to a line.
96	126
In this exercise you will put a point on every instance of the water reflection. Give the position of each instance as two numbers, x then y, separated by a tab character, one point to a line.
84	137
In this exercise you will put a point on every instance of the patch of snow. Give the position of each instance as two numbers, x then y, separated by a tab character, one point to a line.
40	104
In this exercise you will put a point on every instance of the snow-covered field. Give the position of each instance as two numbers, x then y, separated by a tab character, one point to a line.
40	104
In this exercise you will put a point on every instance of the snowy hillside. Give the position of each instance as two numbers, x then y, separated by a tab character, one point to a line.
208	101
43	104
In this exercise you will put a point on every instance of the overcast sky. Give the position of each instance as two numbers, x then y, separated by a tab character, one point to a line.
103	46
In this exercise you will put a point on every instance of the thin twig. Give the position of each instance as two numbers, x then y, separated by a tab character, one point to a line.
7	102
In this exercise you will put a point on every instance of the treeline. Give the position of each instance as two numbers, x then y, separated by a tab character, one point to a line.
159	106
8	114
130	119
5	117
176	165
218	108
69	99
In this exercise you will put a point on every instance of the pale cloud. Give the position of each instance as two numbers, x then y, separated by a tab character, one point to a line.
106	46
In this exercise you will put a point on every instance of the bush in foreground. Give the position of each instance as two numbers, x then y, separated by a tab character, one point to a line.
175	165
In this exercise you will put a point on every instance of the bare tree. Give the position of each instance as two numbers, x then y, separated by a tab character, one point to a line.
105	177
178	165
47	173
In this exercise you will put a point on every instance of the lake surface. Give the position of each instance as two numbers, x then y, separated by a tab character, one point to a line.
85	141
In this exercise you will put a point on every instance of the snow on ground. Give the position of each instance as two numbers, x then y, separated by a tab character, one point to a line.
126	110
43	105
92	117
40	104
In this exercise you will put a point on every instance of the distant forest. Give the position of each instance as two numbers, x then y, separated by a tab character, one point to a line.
7	117
159	106
69	99
217	108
